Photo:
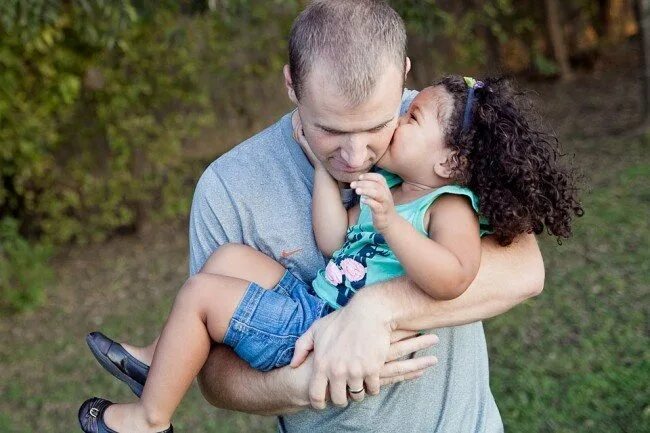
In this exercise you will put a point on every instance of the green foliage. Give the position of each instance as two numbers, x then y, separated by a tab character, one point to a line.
100	99
123	153
24	272
98	104
545	65
245	64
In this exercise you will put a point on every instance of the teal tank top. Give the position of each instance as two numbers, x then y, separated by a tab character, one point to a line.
365	257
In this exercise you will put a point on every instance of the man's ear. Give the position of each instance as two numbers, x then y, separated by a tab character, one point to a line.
289	84
407	67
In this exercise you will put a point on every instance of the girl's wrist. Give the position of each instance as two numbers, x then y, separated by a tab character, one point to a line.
392	226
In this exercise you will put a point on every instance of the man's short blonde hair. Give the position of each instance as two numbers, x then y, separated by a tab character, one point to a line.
356	38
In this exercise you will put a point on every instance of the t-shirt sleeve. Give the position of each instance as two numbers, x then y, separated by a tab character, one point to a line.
213	221
407	97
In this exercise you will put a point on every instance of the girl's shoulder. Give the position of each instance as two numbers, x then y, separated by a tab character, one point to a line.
426	201
458	192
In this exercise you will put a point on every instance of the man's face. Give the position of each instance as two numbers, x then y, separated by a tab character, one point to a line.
349	140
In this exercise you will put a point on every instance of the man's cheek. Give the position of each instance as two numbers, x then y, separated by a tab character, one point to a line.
382	142
324	147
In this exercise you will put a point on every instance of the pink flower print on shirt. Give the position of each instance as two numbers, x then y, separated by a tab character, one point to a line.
333	274
352	269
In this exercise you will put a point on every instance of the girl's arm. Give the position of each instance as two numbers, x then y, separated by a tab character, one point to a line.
444	264
329	216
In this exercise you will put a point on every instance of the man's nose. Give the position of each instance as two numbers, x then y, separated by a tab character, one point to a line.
355	151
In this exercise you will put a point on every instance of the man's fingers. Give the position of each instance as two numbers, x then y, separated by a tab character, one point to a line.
317	388
304	345
395	379
339	391
356	385
372	384
400	334
410	345
407	366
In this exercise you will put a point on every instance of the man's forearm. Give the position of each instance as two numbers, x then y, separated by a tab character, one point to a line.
228	382
506	277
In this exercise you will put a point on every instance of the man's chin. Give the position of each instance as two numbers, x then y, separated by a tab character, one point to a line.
346	176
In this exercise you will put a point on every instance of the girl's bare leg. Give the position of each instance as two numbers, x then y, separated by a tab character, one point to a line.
201	314
232	260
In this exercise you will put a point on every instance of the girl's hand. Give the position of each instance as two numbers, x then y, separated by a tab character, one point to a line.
299	136
374	192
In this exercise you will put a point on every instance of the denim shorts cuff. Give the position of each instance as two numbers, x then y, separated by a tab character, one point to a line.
287	282
243	313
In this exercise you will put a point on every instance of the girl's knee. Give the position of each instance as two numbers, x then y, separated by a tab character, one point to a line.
246	263
226	256
194	291
227	250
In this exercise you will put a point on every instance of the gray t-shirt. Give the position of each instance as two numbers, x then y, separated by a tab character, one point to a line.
259	194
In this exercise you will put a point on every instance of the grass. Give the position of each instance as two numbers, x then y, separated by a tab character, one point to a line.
575	359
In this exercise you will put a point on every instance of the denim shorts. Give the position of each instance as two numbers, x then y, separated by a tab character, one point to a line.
266	324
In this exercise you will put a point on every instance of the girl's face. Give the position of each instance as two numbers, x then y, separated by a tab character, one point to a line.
417	152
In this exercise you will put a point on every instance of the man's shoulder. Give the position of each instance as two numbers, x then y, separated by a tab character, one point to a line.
248	161
256	147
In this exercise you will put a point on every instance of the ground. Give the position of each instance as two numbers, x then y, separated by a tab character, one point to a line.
574	359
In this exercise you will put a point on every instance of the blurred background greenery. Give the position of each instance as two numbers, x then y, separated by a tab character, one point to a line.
110	110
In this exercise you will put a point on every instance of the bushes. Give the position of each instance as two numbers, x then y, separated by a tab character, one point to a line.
24	272
98	103
93	127
99	99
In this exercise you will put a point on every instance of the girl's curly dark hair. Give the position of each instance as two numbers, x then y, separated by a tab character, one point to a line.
513	167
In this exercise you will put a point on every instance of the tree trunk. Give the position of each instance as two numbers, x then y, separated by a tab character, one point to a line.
557	39
643	8
603	20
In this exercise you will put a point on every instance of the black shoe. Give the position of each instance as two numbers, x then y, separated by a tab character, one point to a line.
114	358
91	417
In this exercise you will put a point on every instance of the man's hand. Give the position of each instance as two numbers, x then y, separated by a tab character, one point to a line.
353	347
374	192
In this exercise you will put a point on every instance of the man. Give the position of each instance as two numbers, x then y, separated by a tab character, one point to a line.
347	66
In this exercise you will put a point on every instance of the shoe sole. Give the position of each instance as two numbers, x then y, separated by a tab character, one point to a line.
108	365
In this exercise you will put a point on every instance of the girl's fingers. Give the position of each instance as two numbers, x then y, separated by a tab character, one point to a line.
371	189
364	184
374	205
368	193
365	181
374	177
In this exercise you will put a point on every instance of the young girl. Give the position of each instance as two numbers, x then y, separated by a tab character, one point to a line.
461	143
